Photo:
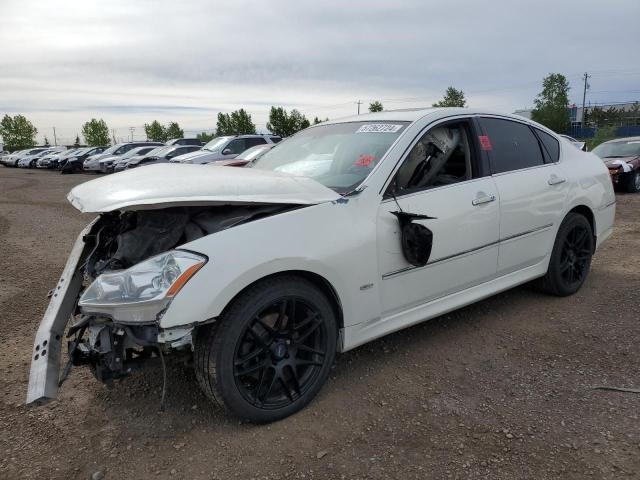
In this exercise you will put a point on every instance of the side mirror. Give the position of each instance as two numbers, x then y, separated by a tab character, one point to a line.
227	151
416	239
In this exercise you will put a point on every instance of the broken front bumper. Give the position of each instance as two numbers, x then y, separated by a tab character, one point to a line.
45	360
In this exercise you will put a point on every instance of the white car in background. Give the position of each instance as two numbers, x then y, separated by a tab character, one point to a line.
108	164
225	148
92	163
30	161
262	276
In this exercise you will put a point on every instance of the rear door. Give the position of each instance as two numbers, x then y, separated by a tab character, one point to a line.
532	189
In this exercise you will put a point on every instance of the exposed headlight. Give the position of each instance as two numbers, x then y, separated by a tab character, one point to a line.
139	293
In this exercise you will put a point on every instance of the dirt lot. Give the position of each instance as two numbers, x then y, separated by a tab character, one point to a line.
501	389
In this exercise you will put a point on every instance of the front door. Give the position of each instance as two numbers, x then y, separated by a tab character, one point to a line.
440	178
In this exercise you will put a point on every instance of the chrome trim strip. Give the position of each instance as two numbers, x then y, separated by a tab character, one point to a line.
466	252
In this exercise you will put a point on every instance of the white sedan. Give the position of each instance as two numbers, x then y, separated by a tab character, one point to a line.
263	276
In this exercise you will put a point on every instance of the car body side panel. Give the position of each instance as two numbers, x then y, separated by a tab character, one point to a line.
308	239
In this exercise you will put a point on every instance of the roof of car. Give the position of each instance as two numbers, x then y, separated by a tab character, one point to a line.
625	139
414	114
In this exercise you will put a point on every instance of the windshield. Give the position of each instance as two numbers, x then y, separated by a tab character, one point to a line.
254	152
160	151
339	156
216	143
618	149
136	151
111	150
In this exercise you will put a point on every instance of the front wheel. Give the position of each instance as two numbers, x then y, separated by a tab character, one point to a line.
270	352
570	258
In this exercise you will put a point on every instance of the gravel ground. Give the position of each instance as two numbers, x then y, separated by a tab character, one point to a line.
500	389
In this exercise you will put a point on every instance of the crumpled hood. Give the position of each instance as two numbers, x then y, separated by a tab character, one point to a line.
163	185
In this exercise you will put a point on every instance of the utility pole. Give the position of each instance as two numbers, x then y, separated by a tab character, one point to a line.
358	103
55	140
113	135
584	96
132	129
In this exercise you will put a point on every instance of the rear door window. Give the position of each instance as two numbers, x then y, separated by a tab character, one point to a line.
512	145
252	142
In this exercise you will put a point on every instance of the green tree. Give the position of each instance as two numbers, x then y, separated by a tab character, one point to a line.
241	123
205	137
235	123
155	131
76	144
551	103
95	133
375	106
223	126
17	133
46	142
316	120
286	124
173	130
603	134
452	98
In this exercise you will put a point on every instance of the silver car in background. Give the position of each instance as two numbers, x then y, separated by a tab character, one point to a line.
226	148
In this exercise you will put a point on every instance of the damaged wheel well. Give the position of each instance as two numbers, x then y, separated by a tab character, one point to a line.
588	214
319	281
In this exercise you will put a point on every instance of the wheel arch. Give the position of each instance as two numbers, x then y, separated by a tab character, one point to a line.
586	212
316	279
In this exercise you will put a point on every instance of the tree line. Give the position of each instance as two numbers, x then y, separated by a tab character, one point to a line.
550	109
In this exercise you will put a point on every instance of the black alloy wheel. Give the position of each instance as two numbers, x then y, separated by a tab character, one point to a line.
570	258
271	351
575	255
280	354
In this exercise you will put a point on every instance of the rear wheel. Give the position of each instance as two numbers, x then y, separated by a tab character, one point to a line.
271	352
570	258
633	182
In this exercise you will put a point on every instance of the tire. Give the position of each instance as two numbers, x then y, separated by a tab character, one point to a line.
270	352
570	258
633	182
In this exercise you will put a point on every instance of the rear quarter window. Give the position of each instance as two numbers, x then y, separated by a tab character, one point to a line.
550	144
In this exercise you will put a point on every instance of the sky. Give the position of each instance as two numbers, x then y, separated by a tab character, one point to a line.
132	62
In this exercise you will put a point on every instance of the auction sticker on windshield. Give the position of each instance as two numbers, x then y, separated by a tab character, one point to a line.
379	128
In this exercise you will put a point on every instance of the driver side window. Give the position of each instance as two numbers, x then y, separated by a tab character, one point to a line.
442	156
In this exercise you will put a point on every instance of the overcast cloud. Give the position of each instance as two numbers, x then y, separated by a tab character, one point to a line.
130	62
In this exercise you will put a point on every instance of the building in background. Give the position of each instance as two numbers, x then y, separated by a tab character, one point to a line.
623	116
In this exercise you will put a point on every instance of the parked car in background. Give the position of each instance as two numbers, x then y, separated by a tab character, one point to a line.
74	162
622	158
121	163
107	164
30	161
52	159
161	155
226	148
260	276
579	145
184	141
248	156
92	163
12	159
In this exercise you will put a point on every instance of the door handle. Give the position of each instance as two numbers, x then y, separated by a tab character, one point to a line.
483	198
555	180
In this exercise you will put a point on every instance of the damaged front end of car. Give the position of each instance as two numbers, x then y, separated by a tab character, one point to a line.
120	278
127	266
